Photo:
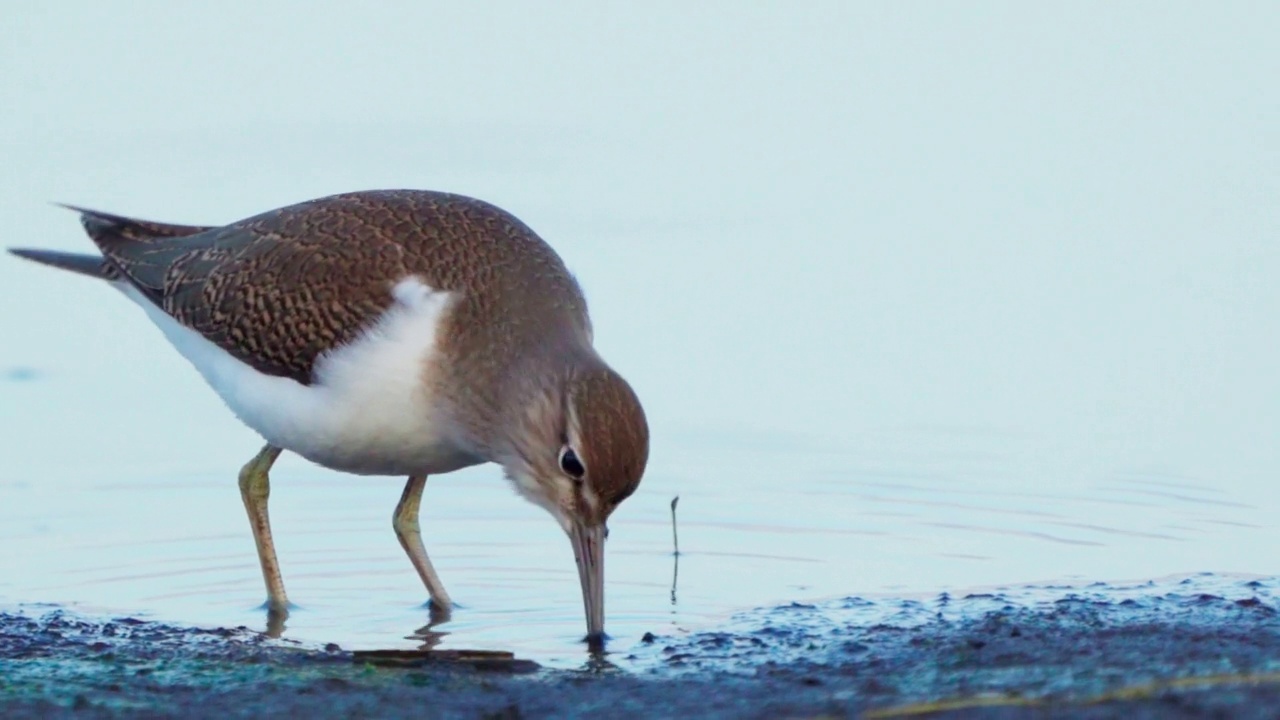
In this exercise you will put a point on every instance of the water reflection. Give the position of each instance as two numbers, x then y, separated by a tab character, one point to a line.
429	635
276	619
675	550
516	587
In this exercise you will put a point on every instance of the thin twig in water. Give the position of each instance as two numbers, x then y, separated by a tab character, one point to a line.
675	539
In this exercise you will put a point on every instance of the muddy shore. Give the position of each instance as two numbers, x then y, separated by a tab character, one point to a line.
1201	646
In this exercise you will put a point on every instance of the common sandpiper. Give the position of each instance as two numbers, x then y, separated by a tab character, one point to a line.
392	332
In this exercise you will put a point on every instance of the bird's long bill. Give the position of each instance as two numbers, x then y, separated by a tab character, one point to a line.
588	550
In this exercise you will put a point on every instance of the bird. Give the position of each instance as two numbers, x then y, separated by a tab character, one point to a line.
391	333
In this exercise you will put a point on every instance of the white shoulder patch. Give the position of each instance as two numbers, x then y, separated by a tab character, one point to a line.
412	292
369	410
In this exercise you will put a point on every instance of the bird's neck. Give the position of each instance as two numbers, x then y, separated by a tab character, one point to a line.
533	395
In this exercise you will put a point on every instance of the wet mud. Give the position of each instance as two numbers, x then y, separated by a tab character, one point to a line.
1202	646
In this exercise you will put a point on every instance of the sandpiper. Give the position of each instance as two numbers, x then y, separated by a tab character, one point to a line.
392	332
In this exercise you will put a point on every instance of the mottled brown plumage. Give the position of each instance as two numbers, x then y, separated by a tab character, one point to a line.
503	368
278	289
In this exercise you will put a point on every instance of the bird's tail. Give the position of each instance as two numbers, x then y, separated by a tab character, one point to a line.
102	227
91	265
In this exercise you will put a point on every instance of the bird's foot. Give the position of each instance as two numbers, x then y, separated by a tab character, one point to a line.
439	612
595	644
277	614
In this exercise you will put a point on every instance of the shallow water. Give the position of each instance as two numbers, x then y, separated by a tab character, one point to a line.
914	303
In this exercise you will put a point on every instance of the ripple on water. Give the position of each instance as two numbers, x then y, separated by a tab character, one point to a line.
847	518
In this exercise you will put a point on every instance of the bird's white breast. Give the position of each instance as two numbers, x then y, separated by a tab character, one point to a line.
369	409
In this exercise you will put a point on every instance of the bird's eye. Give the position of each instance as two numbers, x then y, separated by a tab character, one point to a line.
570	464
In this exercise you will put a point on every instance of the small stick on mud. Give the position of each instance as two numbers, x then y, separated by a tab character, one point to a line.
675	539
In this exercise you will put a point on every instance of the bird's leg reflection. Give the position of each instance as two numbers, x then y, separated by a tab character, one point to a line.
438	614
428	633
595	644
276	618
597	659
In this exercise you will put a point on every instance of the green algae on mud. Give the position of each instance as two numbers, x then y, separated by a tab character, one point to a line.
1202	645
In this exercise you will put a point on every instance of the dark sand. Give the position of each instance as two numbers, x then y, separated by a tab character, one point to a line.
1205	646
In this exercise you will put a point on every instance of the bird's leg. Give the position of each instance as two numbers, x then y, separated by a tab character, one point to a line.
255	487
405	522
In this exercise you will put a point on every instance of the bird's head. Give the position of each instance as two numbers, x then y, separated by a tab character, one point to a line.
580	450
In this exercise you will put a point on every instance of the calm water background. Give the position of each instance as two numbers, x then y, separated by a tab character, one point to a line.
917	297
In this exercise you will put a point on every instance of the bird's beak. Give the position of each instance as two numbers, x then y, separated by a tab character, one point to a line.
588	550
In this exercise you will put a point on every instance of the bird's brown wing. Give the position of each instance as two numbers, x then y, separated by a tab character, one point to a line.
278	290
275	291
